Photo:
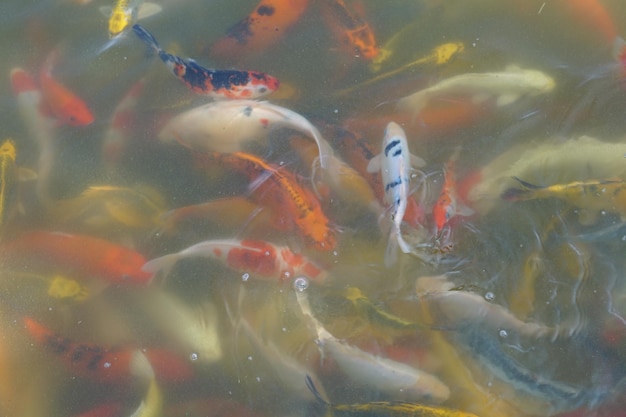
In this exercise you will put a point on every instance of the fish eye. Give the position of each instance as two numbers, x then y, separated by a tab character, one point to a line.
262	90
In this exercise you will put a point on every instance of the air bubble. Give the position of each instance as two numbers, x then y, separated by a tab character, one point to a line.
503	333
193	357
489	296
301	284
107	364
249	358
245	277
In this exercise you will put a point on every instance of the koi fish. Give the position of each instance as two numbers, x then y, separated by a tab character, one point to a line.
108	365
358	153
117	137
507	86
590	197
394	164
126	12
262	28
83	255
234	213
66	106
230	84
92	361
385	408
386	375
225	126
447	205
8	180
101	207
253	258
351	30
375	315
278	189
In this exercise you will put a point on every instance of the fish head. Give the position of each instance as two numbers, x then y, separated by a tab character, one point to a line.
260	85
76	113
8	149
540	82
119	21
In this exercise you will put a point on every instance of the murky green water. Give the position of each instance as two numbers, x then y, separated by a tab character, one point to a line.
538	326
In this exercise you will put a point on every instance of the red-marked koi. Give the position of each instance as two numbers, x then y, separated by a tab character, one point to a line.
262	28
253	257
352	30
447	205
78	255
215	83
278	189
66	106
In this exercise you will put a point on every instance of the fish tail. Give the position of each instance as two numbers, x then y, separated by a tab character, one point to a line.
147	37
516	194
311	386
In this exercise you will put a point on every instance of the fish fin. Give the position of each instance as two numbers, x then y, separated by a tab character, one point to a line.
105	10
313	389
391	253
463	210
505	99
515	194
164	263
527	184
147	37
416	161
374	164
148	9
619	50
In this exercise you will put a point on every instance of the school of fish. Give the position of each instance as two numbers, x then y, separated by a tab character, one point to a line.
334	208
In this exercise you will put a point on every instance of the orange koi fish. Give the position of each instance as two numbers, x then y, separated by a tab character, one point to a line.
215	83
109	365
278	189
353	32
358	153
262	28
66	106
447	205
79	255
254	258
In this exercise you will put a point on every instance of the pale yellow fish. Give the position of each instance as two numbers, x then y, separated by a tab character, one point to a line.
125	13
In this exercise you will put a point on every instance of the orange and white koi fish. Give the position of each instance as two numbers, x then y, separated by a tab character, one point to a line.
382	374
79	255
262	28
358	153
232	84
40	125
66	106
353	32
109	365
118	135
448	205
254	258
394	164
278	189
225	126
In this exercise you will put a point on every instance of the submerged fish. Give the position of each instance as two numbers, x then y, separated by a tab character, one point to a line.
215	83
385	408
590	197
383	374
507	86
8	180
375	315
352	31
252	257
263	27
394	164
226	126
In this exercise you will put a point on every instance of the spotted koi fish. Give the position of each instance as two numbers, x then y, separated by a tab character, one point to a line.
394	163
278	189
253	257
262	28
354	33
109	365
214	83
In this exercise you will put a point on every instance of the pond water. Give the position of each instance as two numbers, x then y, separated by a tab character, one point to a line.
501	293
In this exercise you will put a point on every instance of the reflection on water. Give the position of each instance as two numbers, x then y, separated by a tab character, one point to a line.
315	269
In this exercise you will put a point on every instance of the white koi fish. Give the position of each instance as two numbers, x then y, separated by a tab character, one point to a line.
383	374
225	126
394	164
507	86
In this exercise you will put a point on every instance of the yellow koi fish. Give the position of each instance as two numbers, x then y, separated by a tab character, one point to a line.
125	13
590	197
385	408
8	176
